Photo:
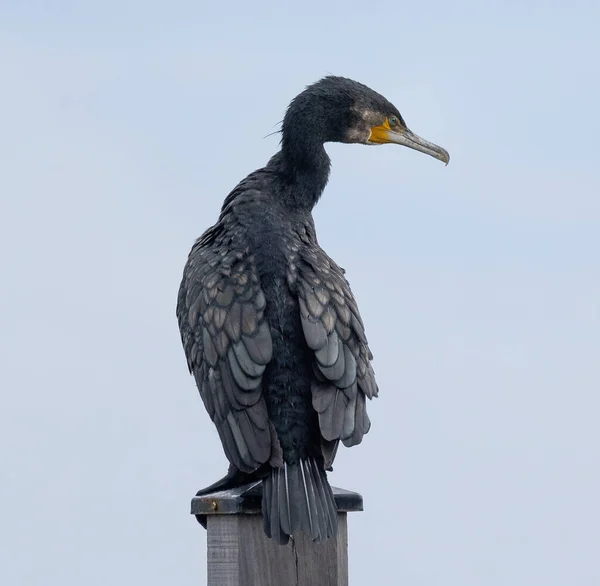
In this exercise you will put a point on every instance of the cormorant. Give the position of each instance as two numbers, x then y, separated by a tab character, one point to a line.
269	325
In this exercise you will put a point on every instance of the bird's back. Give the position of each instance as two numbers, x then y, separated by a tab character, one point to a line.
277	348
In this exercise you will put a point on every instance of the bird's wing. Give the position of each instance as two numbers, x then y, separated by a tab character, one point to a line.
334	330
228	344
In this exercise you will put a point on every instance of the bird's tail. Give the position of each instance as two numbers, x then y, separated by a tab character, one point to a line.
298	497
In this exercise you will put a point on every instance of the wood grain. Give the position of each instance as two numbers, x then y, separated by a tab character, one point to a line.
239	554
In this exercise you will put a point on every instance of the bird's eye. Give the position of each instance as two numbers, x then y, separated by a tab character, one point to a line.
393	120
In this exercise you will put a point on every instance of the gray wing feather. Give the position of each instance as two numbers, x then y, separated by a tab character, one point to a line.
228	344
334	330
328	354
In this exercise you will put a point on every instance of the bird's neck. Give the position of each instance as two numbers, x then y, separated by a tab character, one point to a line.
303	171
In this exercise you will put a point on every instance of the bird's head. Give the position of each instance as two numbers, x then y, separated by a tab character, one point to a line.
337	109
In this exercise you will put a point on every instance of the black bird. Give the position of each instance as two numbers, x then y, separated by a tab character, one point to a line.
270	328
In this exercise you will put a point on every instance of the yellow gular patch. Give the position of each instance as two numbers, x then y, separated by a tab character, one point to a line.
379	134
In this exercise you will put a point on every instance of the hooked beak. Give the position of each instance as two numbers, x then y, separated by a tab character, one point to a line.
385	134
407	138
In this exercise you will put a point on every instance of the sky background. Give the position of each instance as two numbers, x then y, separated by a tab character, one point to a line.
123	125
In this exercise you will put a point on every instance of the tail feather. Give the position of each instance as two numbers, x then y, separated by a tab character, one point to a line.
309	505
298	497
272	516
285	513
329	514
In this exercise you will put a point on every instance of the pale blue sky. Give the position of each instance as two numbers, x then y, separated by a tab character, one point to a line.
123	125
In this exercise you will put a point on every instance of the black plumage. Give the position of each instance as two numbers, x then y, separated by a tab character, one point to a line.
270	328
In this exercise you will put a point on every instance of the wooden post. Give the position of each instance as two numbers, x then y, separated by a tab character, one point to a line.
239	553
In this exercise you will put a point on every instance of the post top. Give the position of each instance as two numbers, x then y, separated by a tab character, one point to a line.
247	500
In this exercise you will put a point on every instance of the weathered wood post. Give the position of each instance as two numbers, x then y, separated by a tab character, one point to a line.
239	553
